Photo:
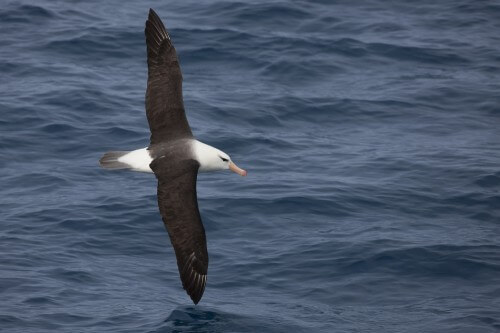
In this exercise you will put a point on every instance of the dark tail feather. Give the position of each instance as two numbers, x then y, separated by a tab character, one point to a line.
110	160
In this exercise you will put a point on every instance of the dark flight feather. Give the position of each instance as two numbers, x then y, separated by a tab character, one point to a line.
179	210
164	102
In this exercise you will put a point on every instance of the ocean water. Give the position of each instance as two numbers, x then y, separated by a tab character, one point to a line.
370	131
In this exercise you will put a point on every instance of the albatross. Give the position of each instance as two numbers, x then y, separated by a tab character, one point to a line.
175	157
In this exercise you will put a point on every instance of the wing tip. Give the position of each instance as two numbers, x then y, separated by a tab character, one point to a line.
195	299
155	31
193	281
195	286
156	20
196	292
152	14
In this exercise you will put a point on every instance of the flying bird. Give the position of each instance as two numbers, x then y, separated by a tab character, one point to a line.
175	157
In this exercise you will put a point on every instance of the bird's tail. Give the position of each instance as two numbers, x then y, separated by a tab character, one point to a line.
110	160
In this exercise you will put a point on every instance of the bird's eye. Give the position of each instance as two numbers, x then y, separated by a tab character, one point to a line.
224	159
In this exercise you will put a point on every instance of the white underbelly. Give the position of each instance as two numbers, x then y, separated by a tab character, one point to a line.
138	160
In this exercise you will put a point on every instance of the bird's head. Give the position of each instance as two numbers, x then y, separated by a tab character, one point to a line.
213	159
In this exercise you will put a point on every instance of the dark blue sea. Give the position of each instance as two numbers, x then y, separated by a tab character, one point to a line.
371	135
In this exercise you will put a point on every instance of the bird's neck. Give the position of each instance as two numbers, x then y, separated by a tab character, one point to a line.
206	155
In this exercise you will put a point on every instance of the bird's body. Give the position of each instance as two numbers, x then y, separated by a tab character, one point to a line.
140	159
175	157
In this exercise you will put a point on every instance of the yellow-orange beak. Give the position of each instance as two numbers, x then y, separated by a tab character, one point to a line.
234	168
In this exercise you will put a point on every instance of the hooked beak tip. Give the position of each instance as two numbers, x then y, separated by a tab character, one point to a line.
237	170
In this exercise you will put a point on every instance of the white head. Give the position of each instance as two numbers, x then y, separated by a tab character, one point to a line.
213	159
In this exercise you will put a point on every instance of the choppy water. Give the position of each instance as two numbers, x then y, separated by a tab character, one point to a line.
370	133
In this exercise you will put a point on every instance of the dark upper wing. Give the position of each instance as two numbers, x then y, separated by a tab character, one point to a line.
164	104
179	210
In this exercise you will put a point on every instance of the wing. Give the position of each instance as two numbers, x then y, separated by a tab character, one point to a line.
164	104
179	210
